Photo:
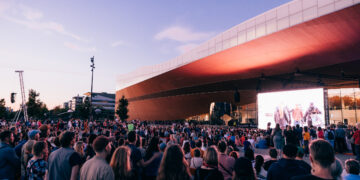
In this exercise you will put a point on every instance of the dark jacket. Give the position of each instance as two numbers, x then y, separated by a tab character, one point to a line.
9	162
284	169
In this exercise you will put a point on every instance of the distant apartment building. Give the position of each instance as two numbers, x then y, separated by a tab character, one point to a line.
102	100
75	102
66	105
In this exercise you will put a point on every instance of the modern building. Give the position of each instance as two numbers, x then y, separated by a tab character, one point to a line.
75	102
300	44
66	105
102	100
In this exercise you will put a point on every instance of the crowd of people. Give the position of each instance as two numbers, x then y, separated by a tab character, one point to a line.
179	151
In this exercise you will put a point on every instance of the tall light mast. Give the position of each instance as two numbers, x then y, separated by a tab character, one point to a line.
23	104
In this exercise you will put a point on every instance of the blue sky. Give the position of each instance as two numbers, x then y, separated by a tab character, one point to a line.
52	41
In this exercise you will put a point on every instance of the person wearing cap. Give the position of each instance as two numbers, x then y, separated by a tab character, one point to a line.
97	168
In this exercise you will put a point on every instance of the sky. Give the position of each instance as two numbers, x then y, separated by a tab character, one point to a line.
52	41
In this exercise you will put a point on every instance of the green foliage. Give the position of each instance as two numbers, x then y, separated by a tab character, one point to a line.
122	110
36	108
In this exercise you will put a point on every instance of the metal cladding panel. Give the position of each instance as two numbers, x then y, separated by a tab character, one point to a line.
328	40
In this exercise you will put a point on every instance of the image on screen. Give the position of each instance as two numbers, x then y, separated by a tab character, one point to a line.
303	107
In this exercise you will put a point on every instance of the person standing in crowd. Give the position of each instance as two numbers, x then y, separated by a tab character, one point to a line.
37	167
278	138
322	155
352	168
243	170
330	136
187	151
260	171
9	161
173	165
302	163
209	170
196	161
135	156
64	163
89	151
273	155
79	148
320	133
340	139
291	137
120	163
26	155
97	168
357	141
287	167
226	163
154	155
307	138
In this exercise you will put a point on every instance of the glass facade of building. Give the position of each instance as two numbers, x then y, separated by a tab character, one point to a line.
344	105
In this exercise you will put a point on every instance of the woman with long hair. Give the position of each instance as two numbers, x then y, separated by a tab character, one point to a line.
243	170
209	169
120	163
173	165
153	150
277	135
187	152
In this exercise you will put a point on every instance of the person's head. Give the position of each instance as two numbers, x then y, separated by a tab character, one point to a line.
120	162
102	145
273	153
40	149
243	169
300	154
91	138
44	131
34	135
199	144
186	147
7	137
289	151
153	147
321	154
259	161
28	146
277	127
221	146
336	169
210	156
319	129
352	166
249	153
234	154
197	153
79	147
132	137
67	139
173	164
305	129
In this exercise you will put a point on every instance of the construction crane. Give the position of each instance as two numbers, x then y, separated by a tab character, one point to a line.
23	104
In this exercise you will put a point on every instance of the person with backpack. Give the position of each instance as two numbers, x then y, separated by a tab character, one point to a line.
330	136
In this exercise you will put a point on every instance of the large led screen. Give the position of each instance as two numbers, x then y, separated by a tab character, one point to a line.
303	107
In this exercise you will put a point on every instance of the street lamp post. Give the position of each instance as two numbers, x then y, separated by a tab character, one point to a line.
91	92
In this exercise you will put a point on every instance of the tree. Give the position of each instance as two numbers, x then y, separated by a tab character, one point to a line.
35	107
3	112
122	110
